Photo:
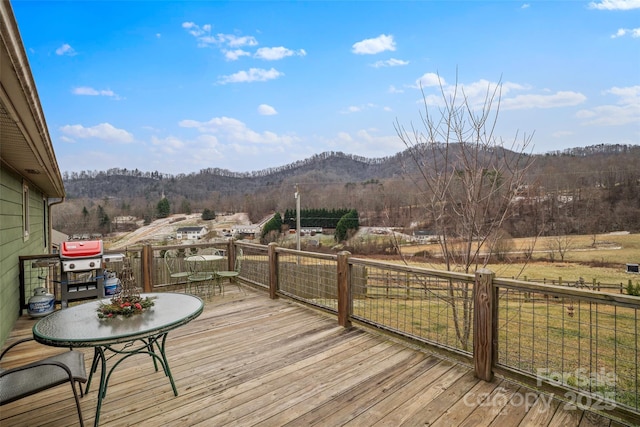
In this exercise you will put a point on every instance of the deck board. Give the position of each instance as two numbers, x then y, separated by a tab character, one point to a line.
252	361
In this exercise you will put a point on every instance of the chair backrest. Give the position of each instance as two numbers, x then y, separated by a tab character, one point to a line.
171	261
196	263
238	260
168	262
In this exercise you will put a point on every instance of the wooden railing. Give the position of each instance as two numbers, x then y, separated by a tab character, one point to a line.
580	345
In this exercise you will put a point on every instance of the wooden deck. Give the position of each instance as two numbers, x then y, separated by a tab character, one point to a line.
251	361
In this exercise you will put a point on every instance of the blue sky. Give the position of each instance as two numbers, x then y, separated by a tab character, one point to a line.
179	86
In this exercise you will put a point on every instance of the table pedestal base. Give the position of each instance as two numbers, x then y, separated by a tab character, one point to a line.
139	346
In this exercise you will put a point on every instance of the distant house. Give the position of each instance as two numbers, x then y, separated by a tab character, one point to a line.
247	231
310	230
424	236
191	233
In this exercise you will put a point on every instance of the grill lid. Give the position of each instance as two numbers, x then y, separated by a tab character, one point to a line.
81	249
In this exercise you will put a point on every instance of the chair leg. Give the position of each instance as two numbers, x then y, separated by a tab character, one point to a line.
218	283
235	281
75	396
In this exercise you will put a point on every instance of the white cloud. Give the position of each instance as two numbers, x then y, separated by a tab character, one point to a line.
67	139
610	115
558	99
393	89
103	131
235	41
233	47
276	53
195	30
66	49
615	5
231	131
170	144
344	136
625	111
358	108
234	55
198	152
266	110
429	80
633	32
525	6
205	38
366	142
376	45
253	75
480	89
477	93
89	91
628	95
389	63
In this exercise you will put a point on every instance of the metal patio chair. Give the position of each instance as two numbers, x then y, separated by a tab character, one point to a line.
26	380
231	275
176	274
198	277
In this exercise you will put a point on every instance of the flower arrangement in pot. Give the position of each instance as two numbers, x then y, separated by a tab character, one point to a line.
128	301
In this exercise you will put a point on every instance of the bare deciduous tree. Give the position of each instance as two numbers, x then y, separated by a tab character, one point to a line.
467	178
560	245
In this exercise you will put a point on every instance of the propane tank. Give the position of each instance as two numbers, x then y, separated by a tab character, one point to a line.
41	303
111	284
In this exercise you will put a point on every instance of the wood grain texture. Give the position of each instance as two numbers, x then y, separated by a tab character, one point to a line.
252	361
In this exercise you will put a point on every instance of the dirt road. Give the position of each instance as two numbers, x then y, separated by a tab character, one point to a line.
165	229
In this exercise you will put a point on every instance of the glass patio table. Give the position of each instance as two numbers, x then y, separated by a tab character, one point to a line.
203	270
145	333
203	258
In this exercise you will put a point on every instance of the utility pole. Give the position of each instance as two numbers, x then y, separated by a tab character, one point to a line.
297	196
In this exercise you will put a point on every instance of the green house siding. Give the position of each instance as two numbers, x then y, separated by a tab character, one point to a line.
13	243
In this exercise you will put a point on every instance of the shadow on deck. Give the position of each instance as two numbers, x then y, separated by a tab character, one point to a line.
252	361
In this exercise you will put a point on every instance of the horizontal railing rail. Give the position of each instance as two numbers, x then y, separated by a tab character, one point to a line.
585	342
579	344
593	284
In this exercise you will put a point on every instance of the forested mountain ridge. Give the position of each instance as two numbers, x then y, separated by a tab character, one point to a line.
582	190
133	183
327	167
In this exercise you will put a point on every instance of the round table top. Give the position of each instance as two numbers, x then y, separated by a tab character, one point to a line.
208	257
80	326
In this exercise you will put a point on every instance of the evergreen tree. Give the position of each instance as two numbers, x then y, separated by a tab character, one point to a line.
274	224
208	214
163	209
347	225
104	222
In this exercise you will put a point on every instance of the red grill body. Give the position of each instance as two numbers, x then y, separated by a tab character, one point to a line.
81	249
82	274
81	255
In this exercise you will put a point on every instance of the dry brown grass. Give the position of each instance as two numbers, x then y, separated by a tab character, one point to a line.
605	262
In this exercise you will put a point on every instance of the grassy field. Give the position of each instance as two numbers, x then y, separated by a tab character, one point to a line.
536	335
604	262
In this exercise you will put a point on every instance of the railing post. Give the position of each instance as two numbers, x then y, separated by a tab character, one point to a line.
147	268
273	270
231	255
344	294
485	323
